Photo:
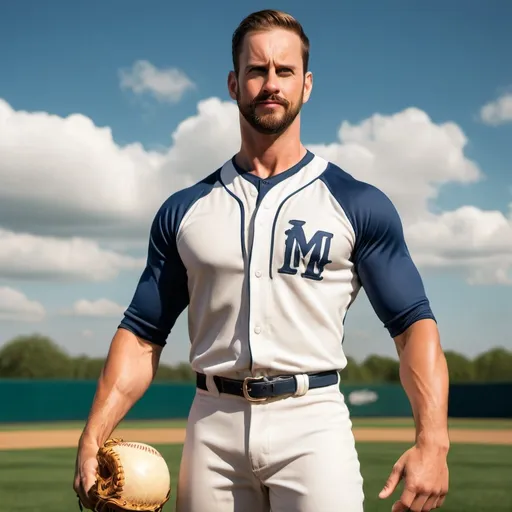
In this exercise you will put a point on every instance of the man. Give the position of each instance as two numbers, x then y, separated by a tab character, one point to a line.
268	253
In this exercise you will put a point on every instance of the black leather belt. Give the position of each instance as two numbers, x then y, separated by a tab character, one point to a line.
258	389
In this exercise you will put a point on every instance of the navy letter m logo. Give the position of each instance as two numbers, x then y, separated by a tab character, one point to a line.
315	253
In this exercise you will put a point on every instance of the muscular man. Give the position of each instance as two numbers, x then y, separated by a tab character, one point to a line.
268	252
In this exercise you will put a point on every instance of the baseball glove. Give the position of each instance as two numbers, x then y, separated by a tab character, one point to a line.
131	476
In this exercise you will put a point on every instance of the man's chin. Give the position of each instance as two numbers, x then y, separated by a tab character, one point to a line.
269	128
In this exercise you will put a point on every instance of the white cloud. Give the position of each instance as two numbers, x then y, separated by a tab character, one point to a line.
87	333
410	158
476	242
97	308
406	155
498	111
15	306
166	85
29	256
65	176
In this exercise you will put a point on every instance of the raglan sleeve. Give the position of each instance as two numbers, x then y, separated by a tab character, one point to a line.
385	267
161	294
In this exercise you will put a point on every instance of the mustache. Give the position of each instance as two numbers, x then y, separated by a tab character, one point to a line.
270	97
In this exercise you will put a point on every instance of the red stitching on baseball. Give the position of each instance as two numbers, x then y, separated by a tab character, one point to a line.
139	447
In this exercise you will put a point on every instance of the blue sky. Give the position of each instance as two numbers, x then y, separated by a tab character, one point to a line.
389	59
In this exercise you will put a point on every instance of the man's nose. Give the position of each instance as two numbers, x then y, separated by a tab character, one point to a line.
271	85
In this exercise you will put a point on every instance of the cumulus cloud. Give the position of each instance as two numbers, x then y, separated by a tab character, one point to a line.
498	111
23	255
15	306
97	308
62	177
406	155
68	177
166	85
475	242
410	158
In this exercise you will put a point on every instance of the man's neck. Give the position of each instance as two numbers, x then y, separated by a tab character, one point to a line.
267	156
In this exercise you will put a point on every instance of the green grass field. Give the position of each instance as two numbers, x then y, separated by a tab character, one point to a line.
488	424
481	476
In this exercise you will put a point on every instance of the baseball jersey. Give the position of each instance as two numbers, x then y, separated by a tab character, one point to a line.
268	269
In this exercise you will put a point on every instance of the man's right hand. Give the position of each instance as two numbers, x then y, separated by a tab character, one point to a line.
85	471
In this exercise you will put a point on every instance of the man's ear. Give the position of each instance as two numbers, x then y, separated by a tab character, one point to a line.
232	85
308	86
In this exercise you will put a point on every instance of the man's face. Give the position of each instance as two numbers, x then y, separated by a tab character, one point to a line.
271	86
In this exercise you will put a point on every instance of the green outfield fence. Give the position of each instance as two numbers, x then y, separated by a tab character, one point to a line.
58	400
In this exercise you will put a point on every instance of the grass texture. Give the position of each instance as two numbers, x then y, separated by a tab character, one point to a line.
480	477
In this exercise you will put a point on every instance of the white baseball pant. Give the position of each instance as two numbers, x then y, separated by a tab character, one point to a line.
287	455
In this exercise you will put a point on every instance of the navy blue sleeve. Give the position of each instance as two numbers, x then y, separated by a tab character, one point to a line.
385	268
381	257
161	293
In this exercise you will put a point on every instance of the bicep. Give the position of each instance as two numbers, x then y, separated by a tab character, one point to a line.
388	274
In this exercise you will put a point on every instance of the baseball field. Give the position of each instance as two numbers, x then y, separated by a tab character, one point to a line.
37	461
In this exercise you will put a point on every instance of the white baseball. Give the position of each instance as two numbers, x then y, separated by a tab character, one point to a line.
147	480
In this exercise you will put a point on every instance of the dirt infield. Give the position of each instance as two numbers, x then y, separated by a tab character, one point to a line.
28	439
67	438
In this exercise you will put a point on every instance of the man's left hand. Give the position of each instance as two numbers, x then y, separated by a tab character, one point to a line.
425	473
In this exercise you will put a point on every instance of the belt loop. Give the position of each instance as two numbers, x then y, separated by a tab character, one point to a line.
212	387
302	384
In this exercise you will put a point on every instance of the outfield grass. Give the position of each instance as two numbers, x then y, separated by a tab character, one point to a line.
487	424
41	480
463	423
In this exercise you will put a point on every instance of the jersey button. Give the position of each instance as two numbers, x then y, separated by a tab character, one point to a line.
257	273
257	329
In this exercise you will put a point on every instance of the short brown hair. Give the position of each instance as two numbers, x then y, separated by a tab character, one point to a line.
266	20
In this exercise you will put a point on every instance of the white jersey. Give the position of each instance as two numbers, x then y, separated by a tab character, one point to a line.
269	268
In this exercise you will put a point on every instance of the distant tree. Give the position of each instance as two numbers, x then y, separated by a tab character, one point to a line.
87	368
460	367
182	372
494	365
38	357
381	369
34	357
165	372
354	372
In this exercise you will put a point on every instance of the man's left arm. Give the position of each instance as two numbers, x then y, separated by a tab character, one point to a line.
395	290
424	377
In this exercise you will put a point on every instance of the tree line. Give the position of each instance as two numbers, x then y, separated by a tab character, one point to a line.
39	357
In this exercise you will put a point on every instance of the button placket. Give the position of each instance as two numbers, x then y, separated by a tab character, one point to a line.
259	262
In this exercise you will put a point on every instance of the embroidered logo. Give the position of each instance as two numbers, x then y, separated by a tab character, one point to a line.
314	253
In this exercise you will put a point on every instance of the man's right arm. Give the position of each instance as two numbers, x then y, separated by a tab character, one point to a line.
134	354
129	369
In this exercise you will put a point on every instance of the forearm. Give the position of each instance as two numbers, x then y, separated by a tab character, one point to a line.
424	376
128	372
